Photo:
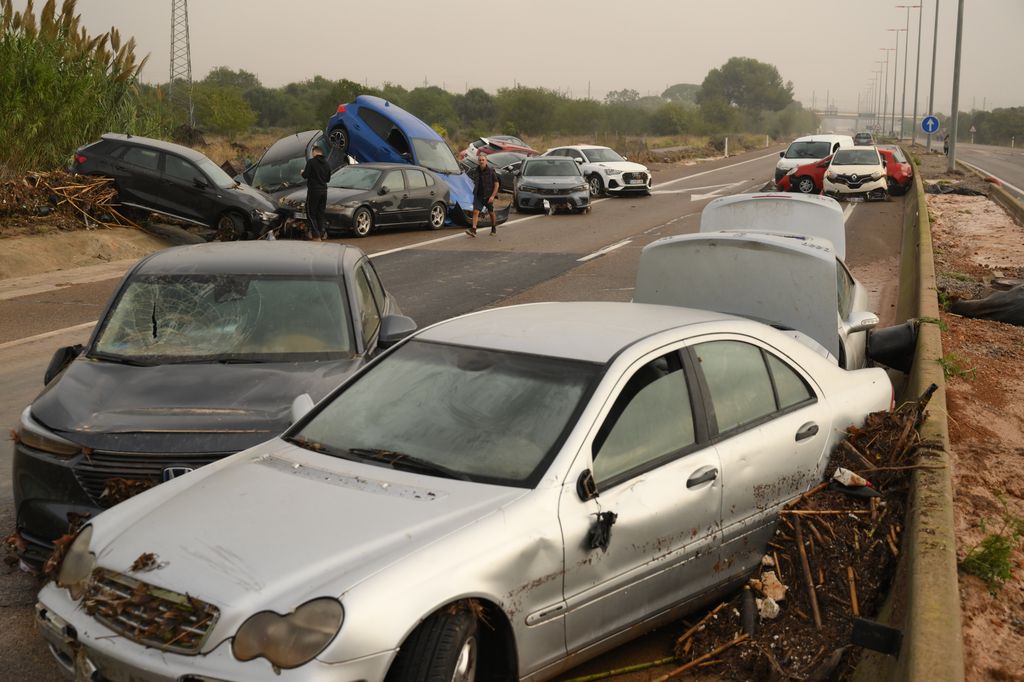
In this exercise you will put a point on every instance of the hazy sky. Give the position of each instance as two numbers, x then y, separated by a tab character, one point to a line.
822	46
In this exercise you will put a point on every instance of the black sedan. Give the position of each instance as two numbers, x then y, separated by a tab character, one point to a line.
204	351
505	164
369	196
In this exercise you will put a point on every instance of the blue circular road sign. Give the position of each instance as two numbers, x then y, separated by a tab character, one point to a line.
929	124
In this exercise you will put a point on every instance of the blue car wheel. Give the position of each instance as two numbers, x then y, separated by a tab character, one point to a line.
338	139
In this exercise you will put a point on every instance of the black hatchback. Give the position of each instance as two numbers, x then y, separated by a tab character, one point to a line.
203	351
167	178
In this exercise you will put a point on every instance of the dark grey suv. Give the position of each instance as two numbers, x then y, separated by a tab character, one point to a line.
167	178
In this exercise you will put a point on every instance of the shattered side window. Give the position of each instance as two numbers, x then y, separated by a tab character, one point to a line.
196	318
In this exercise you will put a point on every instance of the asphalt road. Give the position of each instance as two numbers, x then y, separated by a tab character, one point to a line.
1002	162
434	275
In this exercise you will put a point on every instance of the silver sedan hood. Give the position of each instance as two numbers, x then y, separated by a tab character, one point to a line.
276	522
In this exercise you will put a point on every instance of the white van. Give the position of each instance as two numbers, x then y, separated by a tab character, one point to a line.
808	150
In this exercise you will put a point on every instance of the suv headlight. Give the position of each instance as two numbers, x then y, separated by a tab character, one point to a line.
876	175
612	171
830	176
77	565
35	436
291	640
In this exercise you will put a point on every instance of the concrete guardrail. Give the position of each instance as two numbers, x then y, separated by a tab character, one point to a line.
924	601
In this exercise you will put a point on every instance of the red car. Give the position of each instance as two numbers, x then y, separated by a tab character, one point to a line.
806	179
898	168
497	143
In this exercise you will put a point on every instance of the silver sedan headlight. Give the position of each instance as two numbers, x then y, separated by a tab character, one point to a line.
267	216
77	565
582	187
291	640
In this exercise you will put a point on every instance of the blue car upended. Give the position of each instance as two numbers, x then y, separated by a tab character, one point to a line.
373	130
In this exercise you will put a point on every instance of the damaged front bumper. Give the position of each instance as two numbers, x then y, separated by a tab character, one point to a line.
87	650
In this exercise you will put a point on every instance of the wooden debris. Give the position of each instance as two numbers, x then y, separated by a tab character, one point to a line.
851	579
811	594
64	200
697	661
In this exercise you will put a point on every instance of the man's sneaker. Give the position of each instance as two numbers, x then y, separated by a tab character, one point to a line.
471	233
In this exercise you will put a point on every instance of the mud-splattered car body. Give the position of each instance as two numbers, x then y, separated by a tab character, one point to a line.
549	480
199	355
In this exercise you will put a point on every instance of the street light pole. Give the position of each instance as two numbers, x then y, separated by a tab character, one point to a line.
931	90
885	89
895	69
955	113
906	59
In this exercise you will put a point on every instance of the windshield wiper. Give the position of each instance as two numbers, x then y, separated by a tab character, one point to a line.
405	462
119	359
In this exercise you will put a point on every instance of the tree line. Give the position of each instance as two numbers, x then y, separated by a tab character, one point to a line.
63	88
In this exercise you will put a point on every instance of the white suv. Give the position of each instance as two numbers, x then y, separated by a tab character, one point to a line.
605	170
857	171
808	150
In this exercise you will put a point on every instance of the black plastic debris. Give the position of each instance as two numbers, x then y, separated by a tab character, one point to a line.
876	636
1001	306
938	188
600	533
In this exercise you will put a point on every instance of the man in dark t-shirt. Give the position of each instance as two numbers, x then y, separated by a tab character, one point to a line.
485	188
317	172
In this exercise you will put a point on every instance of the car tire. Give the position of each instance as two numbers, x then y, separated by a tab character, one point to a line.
362	221
438	214
595	185
230	227
338	139
443	648
805	185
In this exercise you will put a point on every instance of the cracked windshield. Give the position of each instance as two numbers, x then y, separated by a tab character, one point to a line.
226	318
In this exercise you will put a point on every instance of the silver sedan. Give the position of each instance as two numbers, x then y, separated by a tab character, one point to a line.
505	494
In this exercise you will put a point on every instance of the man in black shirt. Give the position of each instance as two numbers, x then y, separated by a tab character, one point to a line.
317	172
485	188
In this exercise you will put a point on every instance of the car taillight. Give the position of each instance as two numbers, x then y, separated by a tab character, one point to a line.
341	108
80	159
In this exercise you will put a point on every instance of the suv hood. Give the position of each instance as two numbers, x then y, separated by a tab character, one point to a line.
267	527
624	166
105	405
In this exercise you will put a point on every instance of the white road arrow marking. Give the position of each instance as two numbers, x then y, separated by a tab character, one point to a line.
710	195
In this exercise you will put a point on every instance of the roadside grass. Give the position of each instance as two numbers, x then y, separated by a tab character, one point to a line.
991	559
952	366
960	276
936	321
944	300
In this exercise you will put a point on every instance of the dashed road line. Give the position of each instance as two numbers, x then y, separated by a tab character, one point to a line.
601	252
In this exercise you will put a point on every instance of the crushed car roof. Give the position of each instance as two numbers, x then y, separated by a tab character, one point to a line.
589	331
250	258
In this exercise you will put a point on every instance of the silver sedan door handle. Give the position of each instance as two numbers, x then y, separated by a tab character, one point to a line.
702	475
806	431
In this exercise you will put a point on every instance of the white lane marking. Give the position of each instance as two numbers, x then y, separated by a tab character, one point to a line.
847	211
715	170
46	335
1004	182
689	189
601	252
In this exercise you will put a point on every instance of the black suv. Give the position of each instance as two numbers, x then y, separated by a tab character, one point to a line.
176	181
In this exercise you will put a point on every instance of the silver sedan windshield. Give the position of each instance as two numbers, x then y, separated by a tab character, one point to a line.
492	416
175	318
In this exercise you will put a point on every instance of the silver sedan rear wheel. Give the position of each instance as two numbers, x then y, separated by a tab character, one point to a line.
437	216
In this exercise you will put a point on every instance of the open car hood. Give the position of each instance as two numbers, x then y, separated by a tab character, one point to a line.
787	281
